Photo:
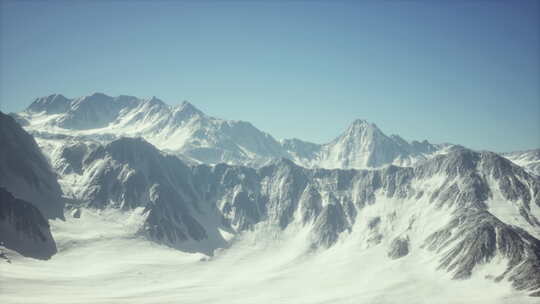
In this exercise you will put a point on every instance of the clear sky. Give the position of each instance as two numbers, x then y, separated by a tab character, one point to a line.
465	72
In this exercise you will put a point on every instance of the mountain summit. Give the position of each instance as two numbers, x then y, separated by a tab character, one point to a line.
421	215
198	138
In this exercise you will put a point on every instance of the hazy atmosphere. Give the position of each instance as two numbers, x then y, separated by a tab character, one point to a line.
448	71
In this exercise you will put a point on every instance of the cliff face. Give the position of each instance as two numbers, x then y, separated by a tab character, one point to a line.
24	229
25	172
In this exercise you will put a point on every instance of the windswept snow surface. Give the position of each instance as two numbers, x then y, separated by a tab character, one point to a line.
101	261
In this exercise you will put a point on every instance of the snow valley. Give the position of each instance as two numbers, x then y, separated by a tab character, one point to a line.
121	200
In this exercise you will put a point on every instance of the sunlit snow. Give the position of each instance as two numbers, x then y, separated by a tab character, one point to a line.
101	261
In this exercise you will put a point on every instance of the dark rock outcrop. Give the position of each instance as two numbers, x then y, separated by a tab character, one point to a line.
23	228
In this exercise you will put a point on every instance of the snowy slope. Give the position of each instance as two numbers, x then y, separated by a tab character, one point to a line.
256	269
424	222
181	129
464	209
530	160
199	138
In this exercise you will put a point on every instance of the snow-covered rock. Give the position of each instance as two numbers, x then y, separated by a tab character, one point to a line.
530	160
466	210
452	205
180	129
364	145
199	138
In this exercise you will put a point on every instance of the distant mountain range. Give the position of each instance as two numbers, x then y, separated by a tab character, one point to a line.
186	131
201	181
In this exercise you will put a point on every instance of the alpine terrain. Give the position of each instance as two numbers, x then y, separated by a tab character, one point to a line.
138	201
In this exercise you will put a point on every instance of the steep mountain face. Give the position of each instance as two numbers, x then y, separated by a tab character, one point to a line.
468	209
181	129
468	213
129	174
364	145
23	228
530	160
25	172
198	138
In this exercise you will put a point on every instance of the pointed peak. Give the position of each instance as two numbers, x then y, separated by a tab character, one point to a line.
361	125
54	103
154	100
150	102
188	105
57	96
359	121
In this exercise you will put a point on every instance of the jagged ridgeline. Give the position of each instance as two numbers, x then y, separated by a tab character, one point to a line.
454	206
198	138
202	183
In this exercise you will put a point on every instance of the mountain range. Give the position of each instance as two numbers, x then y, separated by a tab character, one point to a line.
201	185
198	138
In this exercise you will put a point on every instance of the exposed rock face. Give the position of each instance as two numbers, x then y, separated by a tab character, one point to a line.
399	247
330	223
476	237
192	204
23	228
25	172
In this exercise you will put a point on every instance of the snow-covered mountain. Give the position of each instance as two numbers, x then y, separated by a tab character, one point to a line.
180	129
140	174
199	138
465	208
25	172
530	160
364	145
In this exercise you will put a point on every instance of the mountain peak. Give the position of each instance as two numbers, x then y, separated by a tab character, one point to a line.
154	98
154	101
187	109
188	105
359	121
51	104
360	126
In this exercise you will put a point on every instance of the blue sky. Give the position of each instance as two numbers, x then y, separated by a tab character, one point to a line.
464	72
